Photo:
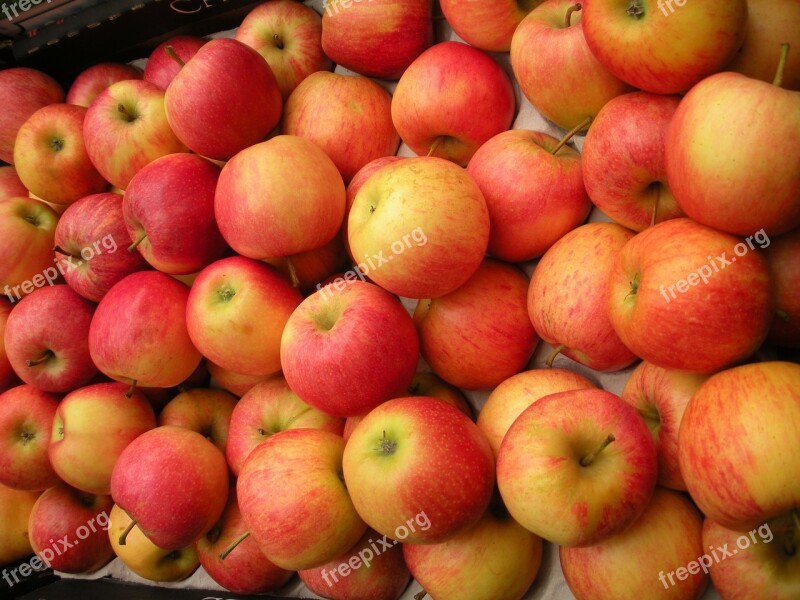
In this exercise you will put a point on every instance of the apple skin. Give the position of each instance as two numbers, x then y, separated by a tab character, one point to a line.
486	25
24	92
171	202
7	375
267	408
377	39
708	327
567	297
509	399
766	569
95	223
427	196
548	490
735	200
15	508
64	512
624	160
352	327
409	444
92	427
97	78
292	483
146	559
451	100
51	325
257	192
160	68
307	269
122	142
10	184
385	576
556	70
174	482
206	411
534	197
135	339
236	313
782	256
289	37
237	384
742	485
349	117
660	397
666	537
241	107
642	49
27	231
51	158
480	334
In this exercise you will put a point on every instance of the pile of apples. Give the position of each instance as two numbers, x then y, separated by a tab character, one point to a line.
222	282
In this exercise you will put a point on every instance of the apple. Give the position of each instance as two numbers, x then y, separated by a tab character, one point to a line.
760	563
237	384
257	192
480	334
533	186
7	375
509	399
10	184
732	199
666	540
173	482
292	484
126	129
307	269
556	70
51	157
268	408
782	256
664	46
380	38
15	508
385	574
289	37
567	297
487	25
660	397
433	453
144	558
161	68
624	160
245	571
169	212
740	485
497	558
349	117
338	325
78	521
97	78
92	427
138	332
577	467
239	110
436	218
434	121
206	411
87	239
26	418
722	309
236	312
24	92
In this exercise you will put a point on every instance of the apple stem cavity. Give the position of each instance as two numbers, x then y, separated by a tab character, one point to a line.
131	389
123	537
386	446
242	537
781	65
556	351
136	242
634	287
590	458
60	250
572	9
56	145
563	142
635	9
434	146
48	354
174	56
278	41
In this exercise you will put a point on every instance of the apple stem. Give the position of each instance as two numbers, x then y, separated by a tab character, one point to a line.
588	460
292	273
278	41
556	351
420	595
233	545
121	108
435	145
138	241
48	354
782	315
570	10
131	389
655	205
124	535
60	250
174	56
583	124
781	65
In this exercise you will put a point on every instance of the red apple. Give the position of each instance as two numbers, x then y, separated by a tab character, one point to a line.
486	25
206	411
10	184
307	269
237	384
161	67
785	268
97	78
7	375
